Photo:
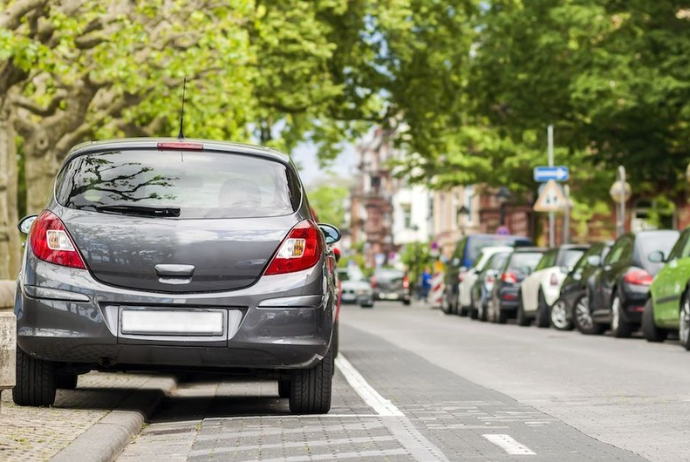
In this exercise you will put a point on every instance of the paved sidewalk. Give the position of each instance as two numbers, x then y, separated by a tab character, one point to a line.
81	420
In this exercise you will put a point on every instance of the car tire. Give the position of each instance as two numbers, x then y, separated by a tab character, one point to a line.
35	381
558	316
335	339
284	388
543	320
651	332
501	316
482	315
446	306
463	312
472	312
521	319
406	302
619	326
311	389
66	381
582	318
684	322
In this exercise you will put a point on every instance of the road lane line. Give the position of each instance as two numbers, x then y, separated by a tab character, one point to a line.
509	445
378	403
416	445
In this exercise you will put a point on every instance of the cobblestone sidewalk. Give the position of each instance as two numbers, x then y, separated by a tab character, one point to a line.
37	434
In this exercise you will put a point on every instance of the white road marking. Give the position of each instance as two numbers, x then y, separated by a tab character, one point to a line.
378	403
396	422
507	443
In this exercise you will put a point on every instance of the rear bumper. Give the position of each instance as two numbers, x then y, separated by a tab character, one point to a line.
271	325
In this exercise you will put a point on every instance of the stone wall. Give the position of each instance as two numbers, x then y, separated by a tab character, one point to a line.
8	339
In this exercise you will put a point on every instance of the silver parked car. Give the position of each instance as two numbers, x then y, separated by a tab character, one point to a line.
355	287
177	255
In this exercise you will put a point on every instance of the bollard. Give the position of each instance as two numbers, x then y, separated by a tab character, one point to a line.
8	336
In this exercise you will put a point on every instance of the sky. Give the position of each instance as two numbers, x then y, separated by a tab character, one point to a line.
305	158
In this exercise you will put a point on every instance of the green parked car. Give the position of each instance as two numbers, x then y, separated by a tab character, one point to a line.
668	307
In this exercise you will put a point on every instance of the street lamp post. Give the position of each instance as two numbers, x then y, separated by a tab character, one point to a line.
620	193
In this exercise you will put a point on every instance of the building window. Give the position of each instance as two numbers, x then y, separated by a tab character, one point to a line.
469	195
407	215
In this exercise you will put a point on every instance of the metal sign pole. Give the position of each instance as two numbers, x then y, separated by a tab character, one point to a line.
551	216
566	215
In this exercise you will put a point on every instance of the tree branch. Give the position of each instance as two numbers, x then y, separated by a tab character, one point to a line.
34	108
12	16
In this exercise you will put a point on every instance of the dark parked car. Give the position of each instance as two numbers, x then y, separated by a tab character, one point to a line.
391	284
520	263
481	289
621	289
466	251
177	255
572	307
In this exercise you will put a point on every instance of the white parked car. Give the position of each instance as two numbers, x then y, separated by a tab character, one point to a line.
469	277
355	287
542	287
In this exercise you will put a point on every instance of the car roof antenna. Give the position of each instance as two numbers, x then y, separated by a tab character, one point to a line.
184	87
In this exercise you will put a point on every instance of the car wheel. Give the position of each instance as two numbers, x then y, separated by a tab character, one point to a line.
446	306
543	320
651	332
482	312
501	316
559	316
35	381
619	326
335	339
684	322
406	302
583	318
284	388
473	313
521	319
66	381
311	389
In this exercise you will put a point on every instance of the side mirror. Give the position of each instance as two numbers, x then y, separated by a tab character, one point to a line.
331	232
25	223
594	260
656	257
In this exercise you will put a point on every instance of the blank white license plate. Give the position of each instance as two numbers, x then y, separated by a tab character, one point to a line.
172	322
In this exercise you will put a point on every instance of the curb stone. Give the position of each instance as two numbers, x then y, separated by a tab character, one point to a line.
106	439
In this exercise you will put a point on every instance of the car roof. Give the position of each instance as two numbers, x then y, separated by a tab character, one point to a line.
529	249
152	144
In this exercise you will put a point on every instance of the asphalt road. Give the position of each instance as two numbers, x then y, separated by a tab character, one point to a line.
414	384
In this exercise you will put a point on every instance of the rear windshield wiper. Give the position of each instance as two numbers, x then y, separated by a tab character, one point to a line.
150	211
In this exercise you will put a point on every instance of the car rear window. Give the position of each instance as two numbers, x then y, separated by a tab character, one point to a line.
524	262
388	275
478	243
202	184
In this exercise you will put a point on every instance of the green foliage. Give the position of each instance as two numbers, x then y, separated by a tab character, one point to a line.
329	203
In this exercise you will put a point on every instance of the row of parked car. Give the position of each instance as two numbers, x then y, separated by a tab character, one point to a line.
639	281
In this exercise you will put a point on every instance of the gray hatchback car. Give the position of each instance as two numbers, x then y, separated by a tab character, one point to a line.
177	255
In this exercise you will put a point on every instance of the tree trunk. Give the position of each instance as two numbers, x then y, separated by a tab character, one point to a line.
9	235
40	167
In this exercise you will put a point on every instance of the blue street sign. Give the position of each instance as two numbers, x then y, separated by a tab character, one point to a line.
558	173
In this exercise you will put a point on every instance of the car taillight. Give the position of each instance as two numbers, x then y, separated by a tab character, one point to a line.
180	146
554	280
300	250
406	283
373	282
509	277
638	277
51	242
